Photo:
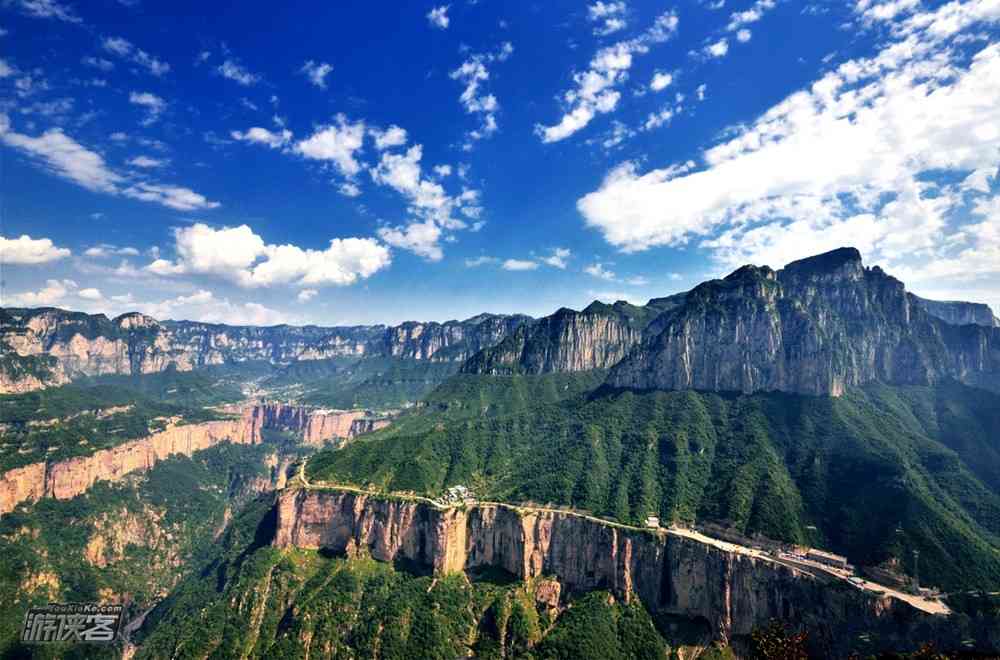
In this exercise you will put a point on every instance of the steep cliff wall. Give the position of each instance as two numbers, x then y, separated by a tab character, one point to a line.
670	573
315	426
72	477
959	313
93	345
815	327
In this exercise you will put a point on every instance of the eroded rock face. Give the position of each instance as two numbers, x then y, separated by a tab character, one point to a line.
133	343
668	572
959	313
69	478
815	327
315	426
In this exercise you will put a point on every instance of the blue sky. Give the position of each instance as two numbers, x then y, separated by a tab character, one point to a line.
342	163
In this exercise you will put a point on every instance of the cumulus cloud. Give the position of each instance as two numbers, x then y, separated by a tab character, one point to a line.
54	292
239	255
205	306
305	295
316	72
153	104
856	158
337	143
421	238
26	250
756	11
598	270
124	49
609	17
558	258
474	74
660	81
258	135
233	70
595	90
394	136
438	17
717	49
519	264
107	250
49	9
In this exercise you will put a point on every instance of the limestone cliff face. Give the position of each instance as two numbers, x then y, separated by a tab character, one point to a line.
959	313
69	478
815	327
315	426
92	345
668	572
596	338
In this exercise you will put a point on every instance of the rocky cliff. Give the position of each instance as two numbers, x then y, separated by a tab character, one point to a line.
959	313
669	572
91	345
815	327
69	478
315	427
596	338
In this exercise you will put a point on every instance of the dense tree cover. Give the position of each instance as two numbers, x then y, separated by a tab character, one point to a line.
152	526
78	419
879	472
261	602
374	382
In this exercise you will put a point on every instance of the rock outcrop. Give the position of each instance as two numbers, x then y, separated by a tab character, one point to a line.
669	572
80	344
815	327
71	477
315	427
959	313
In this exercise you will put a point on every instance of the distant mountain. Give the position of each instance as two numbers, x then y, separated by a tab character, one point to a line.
49	346
816	327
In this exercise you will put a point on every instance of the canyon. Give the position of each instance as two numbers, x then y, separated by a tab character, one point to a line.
71	477
47	346
668	571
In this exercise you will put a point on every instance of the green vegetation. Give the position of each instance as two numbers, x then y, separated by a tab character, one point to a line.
129	541
875	474
261	602
79	419
377	382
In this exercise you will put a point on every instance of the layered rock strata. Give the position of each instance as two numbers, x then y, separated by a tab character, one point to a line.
669	572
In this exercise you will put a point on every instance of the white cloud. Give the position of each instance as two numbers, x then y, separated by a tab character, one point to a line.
336	143
855	159
106	250
438	17
717	49
598	270
52	293
474	74
741	18
660	81
442	170
205	306
519	264
153	104
236	72
317	72
28	250
147	162
595	91
127	51
175	197
610	17
349	189
743	35
49	9
98	63
258	135
637	280
421	238
240	256
394	136
657	119
558	259
90	294
305	295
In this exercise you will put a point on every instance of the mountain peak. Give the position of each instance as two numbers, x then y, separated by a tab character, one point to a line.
828	262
